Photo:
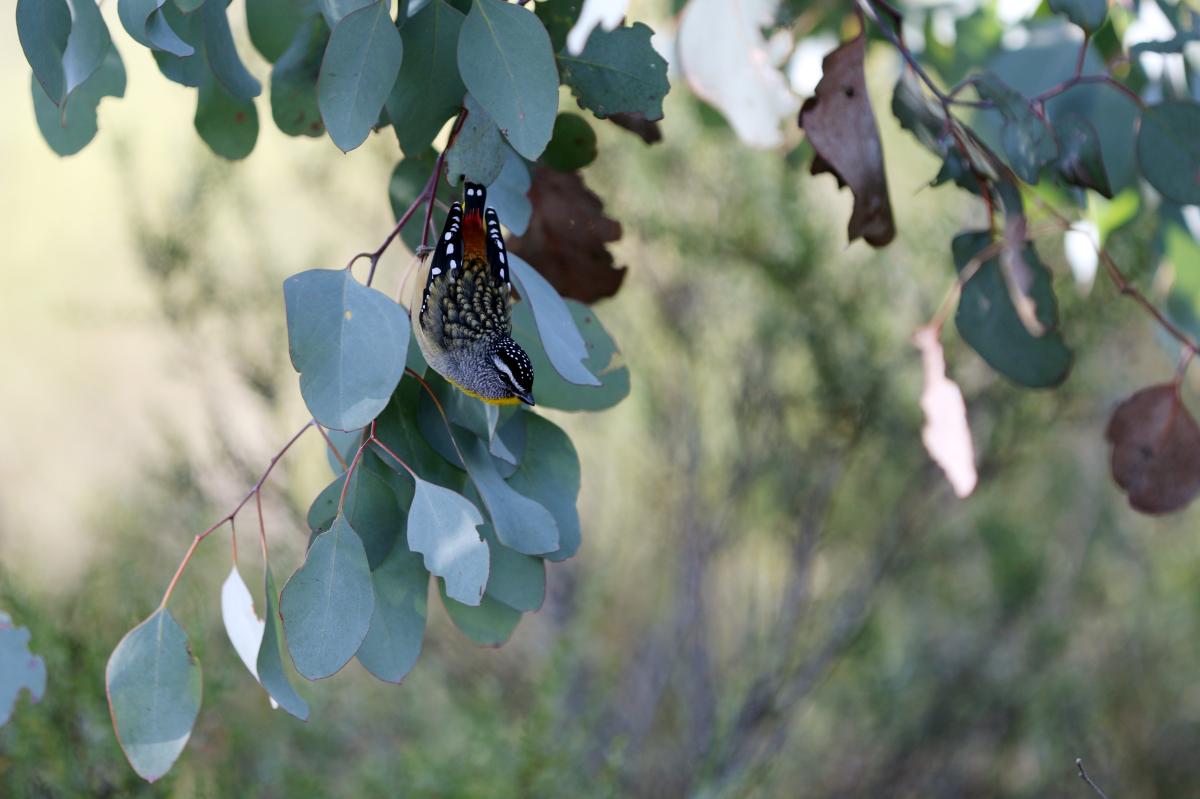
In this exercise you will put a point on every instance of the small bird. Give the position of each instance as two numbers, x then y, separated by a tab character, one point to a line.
461	307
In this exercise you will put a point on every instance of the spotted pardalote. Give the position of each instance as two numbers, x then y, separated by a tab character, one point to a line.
460	308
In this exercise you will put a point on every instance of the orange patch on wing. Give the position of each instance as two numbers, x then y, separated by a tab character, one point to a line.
474	239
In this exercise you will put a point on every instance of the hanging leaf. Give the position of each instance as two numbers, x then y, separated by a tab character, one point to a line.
20	670
360	67
43	27
1087	14
516	580
560	337
506	63
1027	138
1155	450
88	45
270	668
1019	274
726	60
509	193
274	24
428	90
840	124
294	104
946	434
520	523
548	473
149	27
222	56
618	71
1168	149
393	643
490	623
327	604
242	624
989	323
227	124
1079	156
604	361
153	685
647	130
478	153
573	145
69	132
400	431
567	237
441	526
349	344
371	507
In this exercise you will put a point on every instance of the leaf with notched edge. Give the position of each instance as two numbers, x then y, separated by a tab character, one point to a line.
1155	450
567	235
841	126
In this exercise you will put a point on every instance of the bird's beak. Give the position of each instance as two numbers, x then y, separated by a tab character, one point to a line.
526	398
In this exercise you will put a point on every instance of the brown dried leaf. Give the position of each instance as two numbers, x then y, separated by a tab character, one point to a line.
1018	274
567	236
648	130
841	126
1156	450
946	435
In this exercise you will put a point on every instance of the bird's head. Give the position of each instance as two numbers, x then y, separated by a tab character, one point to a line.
513	368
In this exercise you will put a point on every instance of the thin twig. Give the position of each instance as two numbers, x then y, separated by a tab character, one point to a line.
332	448
1083	775
253	492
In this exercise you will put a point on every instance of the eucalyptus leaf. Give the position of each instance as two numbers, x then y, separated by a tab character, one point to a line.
274	24
506	63
549	474
428	89
145	21
88	45
154	685
222	54
556	328
1087	14
227	124
270	657
69	130
442	527
619	71
393	643
294	77
349	344
478	152
357	74
1168	149
520	522
509	193
491	623
327	604
516	580
43	27
20	670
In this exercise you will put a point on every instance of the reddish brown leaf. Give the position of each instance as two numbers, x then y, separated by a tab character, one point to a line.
633	122
1156	450
841	127
567	236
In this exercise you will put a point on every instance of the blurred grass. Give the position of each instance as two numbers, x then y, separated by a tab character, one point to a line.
776	596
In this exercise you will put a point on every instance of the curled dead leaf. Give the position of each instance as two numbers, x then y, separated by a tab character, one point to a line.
946	434
636	123
840	124
1155	450
567	237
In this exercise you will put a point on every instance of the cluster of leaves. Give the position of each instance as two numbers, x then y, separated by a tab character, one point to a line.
1020	148
428	481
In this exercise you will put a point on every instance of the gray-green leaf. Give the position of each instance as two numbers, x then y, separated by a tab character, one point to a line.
227	124
43	27
428	90
1087	14
488	624
348	342
618	72
270	657
520	522
442	527
294	80
273	24
549	474
20	670
360	67
153	683
327	604
1168	149
556	328
478	152
393	643
506	62
69	130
